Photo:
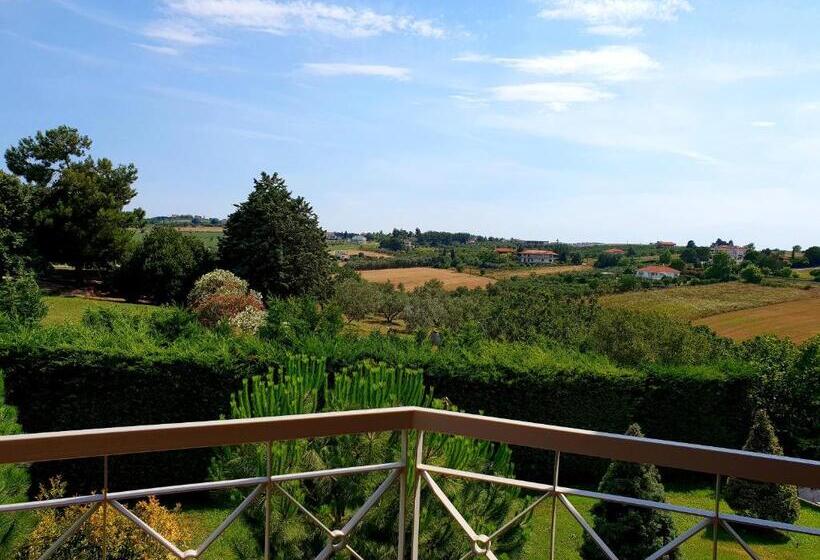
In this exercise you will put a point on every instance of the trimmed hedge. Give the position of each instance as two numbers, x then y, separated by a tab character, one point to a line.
78	377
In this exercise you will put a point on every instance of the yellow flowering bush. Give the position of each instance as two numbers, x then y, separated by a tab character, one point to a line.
125	541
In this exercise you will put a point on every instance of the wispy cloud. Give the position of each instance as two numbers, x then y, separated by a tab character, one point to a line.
613	63
763	124
178	33
344	69
158	49
301	15
619	18
60	50
558	96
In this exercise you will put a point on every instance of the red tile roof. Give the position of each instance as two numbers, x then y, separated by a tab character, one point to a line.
504	250
615	251
659	269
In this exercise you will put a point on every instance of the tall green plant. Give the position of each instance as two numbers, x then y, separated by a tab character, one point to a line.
302	386
632	533
14	484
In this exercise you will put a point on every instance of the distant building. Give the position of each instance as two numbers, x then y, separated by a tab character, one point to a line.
535	256
330	236
657	272
504	250
736	252
615	251
665	244
359	239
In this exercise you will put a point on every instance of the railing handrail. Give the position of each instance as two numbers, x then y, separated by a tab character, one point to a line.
48	446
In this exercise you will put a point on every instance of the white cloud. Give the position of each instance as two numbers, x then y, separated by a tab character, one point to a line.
613	63
763	124
177	32
344	69
614	17
609	30
171	51
555	95
302	15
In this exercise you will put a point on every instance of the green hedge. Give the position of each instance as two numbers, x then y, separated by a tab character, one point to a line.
79	377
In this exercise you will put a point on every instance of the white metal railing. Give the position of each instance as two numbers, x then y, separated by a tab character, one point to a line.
114	441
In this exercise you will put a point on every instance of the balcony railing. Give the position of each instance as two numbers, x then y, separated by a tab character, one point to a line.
104	443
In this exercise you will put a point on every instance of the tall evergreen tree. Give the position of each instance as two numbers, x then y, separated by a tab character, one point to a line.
274	241
78	216
775	502
632	533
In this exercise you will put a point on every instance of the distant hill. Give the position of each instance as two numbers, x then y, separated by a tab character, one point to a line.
180	220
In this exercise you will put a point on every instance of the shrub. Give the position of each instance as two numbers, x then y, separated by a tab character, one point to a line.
21	300
14	485
216	282
752	274
224	307
164	266
248	321
221	296
775	502
632	533
124	540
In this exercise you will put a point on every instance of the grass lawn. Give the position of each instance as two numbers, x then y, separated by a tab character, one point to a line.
768	547
695	302
201	521
66	309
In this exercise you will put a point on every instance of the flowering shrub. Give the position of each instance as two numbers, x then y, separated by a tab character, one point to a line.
223	296
248	321
125	541
218	281
223	307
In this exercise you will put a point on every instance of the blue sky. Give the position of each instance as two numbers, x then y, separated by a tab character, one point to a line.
578	120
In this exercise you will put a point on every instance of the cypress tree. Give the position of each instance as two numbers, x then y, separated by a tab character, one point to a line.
775	502
632	533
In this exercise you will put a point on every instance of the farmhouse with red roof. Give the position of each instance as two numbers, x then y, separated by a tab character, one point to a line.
657	272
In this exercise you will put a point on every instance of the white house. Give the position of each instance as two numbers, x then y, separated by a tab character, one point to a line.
736	252
657	272
535	256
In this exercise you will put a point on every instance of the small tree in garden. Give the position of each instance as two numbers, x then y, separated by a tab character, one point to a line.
356	298
391	302
164	266
632	533
775	502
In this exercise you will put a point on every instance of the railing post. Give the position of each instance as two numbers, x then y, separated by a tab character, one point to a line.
105	508
417	496
268	488
716	519
554	503
402	496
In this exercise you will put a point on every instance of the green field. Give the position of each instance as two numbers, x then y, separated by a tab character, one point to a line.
695	302
66	309
767	546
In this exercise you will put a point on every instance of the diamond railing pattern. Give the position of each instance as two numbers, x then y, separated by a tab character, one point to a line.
103	443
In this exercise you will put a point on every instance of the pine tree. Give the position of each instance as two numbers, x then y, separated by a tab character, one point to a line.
775	502
632	533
